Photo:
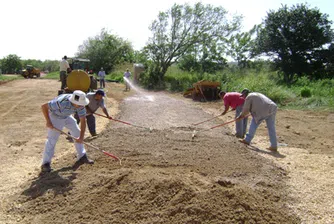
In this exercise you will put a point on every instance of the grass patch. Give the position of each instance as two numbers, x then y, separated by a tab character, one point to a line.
116	76
7	78
52	75
304	94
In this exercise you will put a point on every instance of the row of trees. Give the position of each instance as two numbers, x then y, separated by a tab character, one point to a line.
298	40
199	38
105	50
13	64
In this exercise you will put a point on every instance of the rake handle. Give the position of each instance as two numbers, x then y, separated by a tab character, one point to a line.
223	124
211	118
101	115
237	119
207	120
89	145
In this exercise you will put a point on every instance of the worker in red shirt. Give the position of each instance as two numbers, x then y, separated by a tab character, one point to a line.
235	101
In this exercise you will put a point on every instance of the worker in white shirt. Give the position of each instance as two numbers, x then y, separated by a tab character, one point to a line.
64	68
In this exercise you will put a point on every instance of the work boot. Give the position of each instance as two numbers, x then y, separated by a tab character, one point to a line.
46	168
93	133
239	136
244	141
273	149
84	159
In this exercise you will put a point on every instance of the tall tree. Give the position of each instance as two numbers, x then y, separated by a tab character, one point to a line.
11	64
182	27
205	57
241	45
293	37
106	50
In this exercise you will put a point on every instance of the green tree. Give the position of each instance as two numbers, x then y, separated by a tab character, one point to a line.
205	57
293	37
50	65
36	63
106	50
176	31
241	45
11	64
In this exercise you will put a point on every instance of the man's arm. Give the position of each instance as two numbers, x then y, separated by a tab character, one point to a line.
245	109
88	111
45	111
226	109
106	112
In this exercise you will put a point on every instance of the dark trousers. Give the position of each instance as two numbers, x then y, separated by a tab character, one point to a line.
90	123
102	83
63	76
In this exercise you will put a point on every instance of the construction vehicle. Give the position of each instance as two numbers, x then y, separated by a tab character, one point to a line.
203	91
78	77
30	72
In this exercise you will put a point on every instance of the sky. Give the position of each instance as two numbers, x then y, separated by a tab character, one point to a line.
50	29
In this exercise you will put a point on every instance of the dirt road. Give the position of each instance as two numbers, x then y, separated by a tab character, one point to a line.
165	177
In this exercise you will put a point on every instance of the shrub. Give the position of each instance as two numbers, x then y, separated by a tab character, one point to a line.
305	92
116	76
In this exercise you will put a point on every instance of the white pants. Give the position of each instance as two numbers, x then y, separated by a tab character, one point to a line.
53	135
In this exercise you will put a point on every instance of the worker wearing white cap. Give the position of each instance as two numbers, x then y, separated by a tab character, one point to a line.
58	114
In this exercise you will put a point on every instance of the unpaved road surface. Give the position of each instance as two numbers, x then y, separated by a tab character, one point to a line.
165	176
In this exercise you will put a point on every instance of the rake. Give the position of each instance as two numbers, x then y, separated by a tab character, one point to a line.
210	119
123	122
89	145
217	126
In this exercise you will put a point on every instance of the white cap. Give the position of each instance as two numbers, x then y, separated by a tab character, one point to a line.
79	98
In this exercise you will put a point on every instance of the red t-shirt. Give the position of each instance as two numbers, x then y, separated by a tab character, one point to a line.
233	99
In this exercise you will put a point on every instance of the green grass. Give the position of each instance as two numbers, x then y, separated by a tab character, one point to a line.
116	76
265	81
51	75
10	77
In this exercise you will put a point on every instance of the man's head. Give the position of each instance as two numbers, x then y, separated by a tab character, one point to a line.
222	94
127	69
101	68
99	94
245	92
79	99
65	57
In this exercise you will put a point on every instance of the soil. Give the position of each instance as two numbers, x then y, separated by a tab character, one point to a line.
165	175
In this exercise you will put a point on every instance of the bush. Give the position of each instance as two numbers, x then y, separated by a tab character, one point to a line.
115	76
305	92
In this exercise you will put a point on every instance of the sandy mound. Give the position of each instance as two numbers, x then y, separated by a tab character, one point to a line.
165	178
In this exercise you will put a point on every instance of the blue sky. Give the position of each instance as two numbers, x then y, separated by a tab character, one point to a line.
50	29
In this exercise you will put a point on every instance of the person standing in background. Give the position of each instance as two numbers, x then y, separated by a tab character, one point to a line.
102	75
126	77
64	68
